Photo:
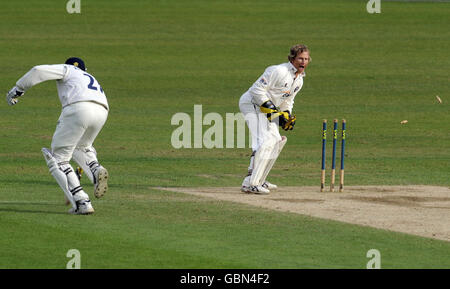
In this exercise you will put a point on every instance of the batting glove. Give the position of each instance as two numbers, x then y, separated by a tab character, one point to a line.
274	114
13	94
268	108
290	123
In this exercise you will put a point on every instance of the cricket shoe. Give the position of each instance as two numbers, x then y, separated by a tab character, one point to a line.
100	182
84	207
269	186
260	190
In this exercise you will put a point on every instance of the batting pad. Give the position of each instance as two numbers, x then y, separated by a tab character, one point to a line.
59	175
277	150
86	158
264	157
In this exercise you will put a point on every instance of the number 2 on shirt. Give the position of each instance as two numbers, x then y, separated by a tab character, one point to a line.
91	83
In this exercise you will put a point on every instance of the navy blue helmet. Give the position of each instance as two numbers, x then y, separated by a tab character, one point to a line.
75	61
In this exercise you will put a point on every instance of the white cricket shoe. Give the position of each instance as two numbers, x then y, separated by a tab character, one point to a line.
100	182
84	207
249	189
260	190
269	186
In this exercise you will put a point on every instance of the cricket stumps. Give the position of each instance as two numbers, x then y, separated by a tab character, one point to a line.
344	127
324	141
333	156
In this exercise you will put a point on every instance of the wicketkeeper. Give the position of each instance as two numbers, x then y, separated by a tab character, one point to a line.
84	112
267	105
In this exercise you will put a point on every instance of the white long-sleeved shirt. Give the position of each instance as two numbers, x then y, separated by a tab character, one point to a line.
73	84
279	84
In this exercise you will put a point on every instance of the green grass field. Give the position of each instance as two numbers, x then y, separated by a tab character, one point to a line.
157	58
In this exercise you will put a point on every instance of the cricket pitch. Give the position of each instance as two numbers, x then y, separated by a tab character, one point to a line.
417	210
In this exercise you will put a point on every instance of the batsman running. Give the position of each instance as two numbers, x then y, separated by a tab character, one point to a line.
84	112
266	105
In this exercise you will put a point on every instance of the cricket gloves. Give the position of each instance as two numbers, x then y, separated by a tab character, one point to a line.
284	118
289	125
13	94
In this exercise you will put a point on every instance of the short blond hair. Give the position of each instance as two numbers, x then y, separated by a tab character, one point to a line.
296	49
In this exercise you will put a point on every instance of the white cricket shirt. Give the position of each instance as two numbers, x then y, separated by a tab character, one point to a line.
278	83
74	84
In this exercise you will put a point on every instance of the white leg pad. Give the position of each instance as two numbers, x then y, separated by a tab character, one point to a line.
66	178
86	158
276	153
263	157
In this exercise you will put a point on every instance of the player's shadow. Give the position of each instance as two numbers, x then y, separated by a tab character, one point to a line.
30	182
37	211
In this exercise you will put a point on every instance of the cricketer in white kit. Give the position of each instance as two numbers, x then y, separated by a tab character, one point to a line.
266	105
84	112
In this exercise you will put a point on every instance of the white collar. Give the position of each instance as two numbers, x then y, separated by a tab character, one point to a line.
293	70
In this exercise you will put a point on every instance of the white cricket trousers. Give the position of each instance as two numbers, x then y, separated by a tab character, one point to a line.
77	127
261	129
